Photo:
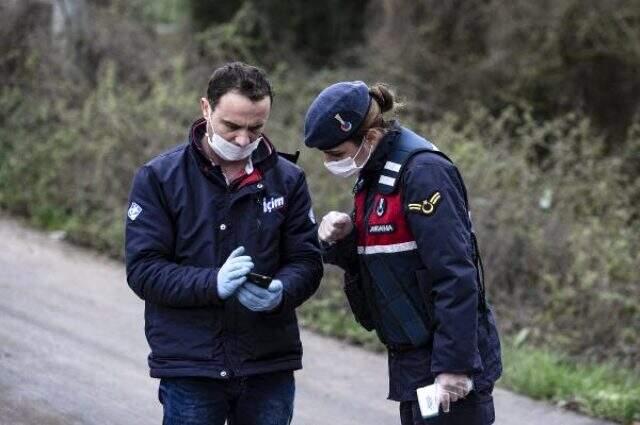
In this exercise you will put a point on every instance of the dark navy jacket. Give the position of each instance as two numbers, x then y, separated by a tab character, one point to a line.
182	224
413	240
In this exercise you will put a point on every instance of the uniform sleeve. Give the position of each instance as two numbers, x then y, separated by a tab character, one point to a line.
435	208
149	246
301	269
342	253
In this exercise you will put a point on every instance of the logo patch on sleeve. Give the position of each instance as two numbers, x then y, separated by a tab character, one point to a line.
428	206
377	229
134	211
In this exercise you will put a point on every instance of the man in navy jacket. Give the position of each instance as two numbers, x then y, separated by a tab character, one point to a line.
201	217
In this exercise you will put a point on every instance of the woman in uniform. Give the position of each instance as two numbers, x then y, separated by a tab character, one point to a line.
410	256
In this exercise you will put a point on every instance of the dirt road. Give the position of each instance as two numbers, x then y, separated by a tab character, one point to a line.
72	351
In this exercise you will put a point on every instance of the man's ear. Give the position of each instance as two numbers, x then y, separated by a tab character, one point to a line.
205	107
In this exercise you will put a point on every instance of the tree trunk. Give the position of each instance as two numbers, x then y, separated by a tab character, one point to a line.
69	25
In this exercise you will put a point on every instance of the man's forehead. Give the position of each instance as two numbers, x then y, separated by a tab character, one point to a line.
241	110
234	100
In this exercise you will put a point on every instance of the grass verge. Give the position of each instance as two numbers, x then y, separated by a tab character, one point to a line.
600	390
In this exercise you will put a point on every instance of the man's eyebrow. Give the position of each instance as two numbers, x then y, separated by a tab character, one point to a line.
236	125
231	123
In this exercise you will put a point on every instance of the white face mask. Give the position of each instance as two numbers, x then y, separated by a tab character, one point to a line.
230	151
347	167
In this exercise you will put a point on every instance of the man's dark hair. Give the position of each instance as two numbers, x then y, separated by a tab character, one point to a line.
247	80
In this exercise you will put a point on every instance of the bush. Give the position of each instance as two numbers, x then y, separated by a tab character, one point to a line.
554	56
74	165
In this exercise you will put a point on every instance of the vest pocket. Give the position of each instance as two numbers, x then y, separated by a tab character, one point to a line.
357	300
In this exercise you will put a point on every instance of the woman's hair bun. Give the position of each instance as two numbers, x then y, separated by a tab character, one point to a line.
383	96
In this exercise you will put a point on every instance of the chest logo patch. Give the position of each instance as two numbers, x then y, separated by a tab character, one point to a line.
272	203
377	229
134	211
382	207
428	206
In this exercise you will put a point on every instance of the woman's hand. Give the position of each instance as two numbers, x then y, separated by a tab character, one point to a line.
335	226
451	388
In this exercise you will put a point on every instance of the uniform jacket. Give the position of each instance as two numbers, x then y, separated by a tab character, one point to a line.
182	224
415	237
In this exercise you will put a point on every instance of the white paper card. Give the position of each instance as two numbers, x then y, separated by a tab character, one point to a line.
428	400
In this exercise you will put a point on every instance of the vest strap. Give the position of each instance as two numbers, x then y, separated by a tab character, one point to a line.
407	145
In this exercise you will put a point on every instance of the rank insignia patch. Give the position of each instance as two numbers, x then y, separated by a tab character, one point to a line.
428	206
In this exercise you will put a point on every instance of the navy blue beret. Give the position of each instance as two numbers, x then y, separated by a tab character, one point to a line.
336	114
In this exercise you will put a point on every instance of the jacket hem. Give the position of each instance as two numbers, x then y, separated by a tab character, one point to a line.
214	371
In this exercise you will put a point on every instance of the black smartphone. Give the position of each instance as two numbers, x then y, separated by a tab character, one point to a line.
259	279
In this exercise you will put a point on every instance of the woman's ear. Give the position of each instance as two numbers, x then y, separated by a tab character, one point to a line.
373	136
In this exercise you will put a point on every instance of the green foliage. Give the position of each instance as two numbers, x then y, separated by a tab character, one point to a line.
244	38
152	12
554	56
312	32
73	165
204	16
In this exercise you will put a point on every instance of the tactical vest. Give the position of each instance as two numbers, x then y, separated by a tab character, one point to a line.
389	252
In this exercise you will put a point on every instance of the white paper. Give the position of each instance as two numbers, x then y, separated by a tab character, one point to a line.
428	400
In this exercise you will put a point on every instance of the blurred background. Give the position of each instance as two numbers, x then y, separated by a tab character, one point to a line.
536	102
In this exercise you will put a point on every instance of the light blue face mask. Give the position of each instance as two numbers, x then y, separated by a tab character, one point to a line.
347	167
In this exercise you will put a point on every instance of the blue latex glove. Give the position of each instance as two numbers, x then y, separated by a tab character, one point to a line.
256	298
233	273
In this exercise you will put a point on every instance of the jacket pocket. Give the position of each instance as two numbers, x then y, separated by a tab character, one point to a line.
178	333
276	337
358	301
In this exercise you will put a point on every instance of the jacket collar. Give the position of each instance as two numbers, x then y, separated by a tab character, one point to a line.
379	157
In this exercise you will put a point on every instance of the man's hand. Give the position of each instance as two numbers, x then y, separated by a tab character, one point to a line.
335	226
451	388
256	298
233	273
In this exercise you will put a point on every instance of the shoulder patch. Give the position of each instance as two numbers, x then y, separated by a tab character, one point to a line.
427	206
134	211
